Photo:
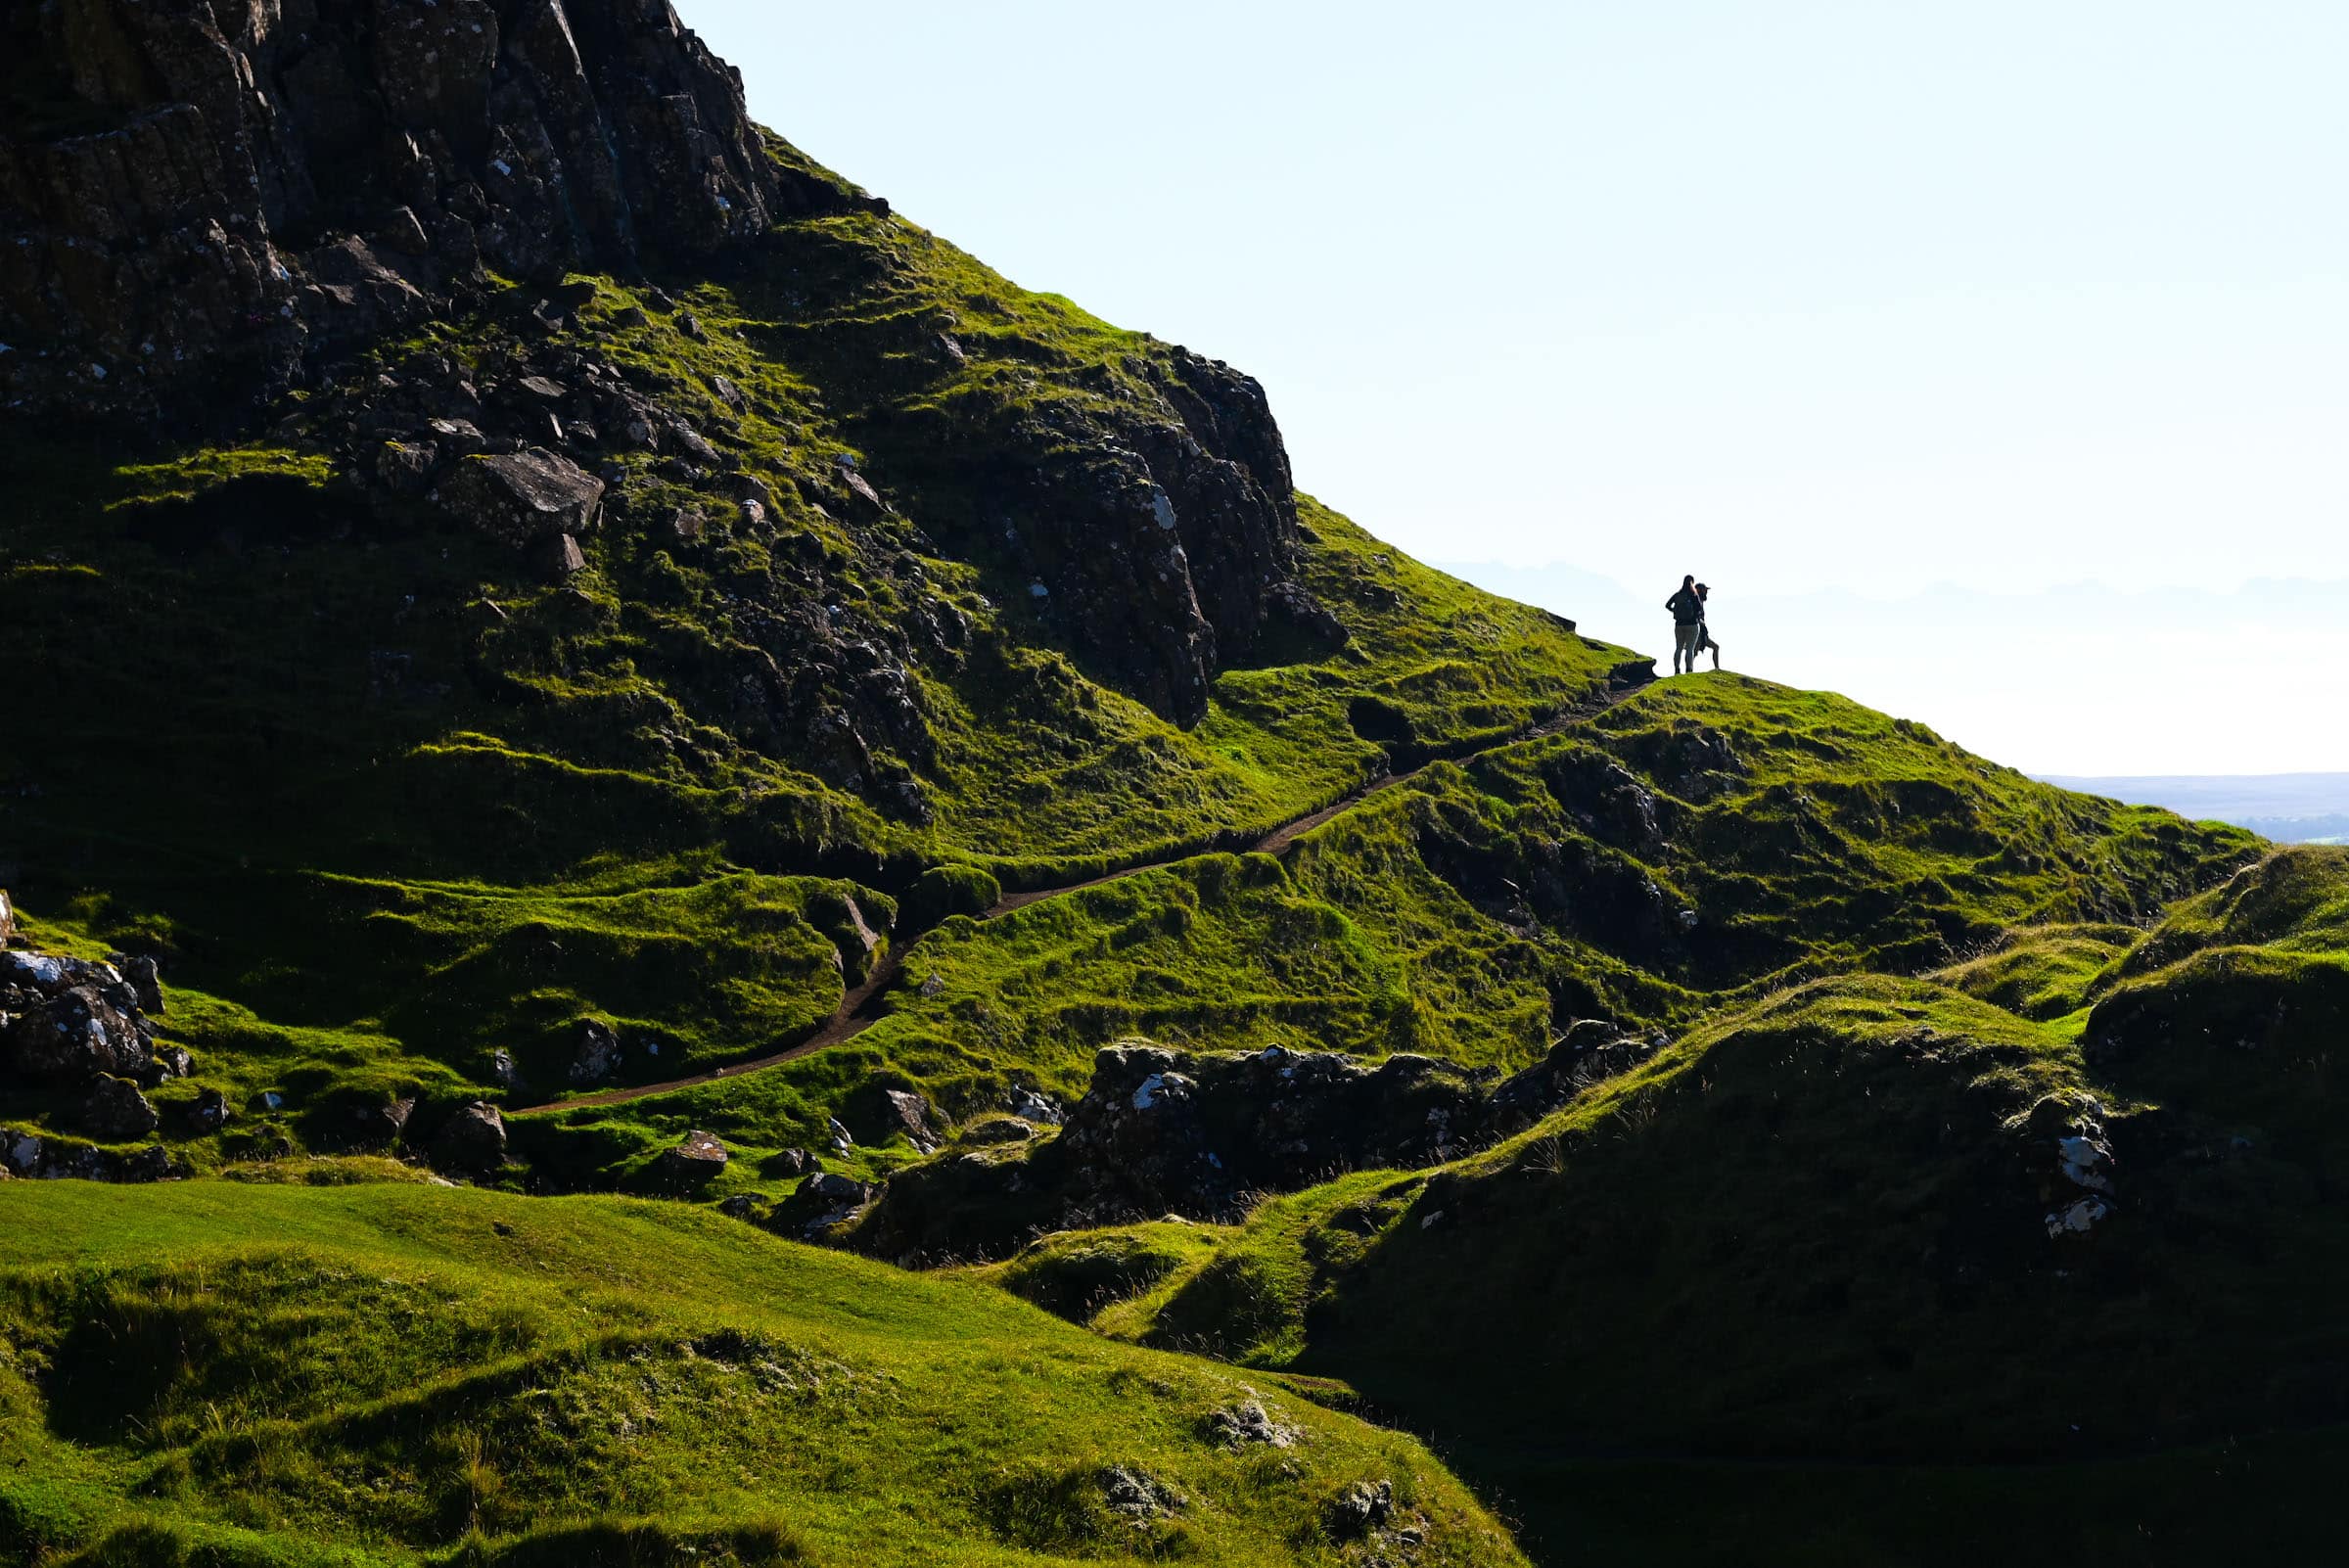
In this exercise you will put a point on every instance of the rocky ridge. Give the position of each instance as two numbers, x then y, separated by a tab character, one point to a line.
208	197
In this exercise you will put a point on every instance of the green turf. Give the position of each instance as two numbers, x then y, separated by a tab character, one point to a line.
395	1373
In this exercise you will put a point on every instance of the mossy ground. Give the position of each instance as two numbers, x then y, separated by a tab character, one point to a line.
397	1374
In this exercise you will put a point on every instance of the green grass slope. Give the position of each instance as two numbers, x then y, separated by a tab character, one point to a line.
386	801
1812	1254
1686	853
233	1374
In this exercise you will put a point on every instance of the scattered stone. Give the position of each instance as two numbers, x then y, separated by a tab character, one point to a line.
696	1162
209	1113
932	985
149	1164
727	392
145	981
1138	1495
741	1206
786	1163
2078	1219
909	1114
833	1187
558	557
1360	1508
113	1111
521	498
1243	1425
2082	1159
170	1062
506	1075
691	326
472	1140
8	918
687	524
1029	1106
459	437
405	468
597	1057
841	1140
386	1123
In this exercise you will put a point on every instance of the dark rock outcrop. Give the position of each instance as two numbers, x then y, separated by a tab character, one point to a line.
1204	1135
75	1032
522	498
696	1162
473	1141
199	197
113	1111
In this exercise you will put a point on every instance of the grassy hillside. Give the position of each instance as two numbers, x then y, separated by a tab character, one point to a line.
385	800
1830	1228
397	1373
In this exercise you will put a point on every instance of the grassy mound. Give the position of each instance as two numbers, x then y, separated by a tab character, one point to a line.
400	1374
1833	1230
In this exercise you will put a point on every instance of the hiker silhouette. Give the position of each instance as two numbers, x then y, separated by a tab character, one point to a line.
1688	606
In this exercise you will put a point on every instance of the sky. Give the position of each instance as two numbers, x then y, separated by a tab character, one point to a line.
1835	305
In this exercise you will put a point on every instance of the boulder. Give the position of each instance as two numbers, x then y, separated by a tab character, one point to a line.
558	557
522	498
835	1188
788	1163
8	918
384	1123
908	1112
209	1113
696	1162
472	1140
597	1057
43	974
74	1036
113	1111
143	976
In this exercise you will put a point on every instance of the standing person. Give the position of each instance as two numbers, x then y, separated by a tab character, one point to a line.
1688	624
1704	630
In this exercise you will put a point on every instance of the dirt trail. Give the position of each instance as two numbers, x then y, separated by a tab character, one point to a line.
860	1007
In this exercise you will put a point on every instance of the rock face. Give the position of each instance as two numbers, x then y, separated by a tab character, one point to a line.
210	194
1204	1135
1160	543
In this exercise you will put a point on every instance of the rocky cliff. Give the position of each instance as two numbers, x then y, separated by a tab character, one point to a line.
201	197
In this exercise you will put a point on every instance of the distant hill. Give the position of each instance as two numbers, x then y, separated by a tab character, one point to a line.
2288	807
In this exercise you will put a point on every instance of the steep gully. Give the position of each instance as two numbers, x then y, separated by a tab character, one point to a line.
859	1010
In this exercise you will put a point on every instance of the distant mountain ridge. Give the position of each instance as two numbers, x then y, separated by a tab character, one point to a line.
2288	807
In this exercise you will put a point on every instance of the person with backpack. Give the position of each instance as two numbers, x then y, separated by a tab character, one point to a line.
1688	625
1704	629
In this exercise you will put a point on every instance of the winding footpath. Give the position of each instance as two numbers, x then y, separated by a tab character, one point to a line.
860	1009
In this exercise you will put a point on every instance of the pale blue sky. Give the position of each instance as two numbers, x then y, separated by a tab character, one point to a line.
1797	296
